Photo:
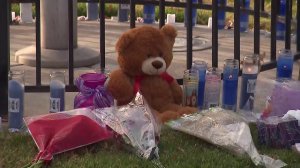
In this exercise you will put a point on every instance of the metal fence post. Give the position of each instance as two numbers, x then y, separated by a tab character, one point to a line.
4	57
262	4
132	13
161	13
189	35
38	43
298	26
288	17
71	45
102	33
214	33
237	26
274	9
256	26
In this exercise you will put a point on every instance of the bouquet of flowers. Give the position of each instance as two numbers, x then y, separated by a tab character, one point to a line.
136	124
225	129
59	132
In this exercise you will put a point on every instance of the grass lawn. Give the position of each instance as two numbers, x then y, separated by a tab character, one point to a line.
176	150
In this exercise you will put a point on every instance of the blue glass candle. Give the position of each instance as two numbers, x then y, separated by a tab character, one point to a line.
285	64
249	77
194	15
221	14
15	100
123	12
230	84
244	17
149	13
280	25
92	11
201	67
212	87
57	92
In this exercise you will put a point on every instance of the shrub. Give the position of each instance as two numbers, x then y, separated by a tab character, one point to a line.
111	10
81	9
16	8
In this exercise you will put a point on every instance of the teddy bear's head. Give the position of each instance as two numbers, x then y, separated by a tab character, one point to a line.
146	50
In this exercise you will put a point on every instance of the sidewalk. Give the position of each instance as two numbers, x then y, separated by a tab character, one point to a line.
88	34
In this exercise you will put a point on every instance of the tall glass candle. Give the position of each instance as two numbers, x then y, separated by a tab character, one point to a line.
249	76
190	88
221	14
149	13
285	64
212	87
201	67
15	100
57	91
230	84
280	25
244	16
194	14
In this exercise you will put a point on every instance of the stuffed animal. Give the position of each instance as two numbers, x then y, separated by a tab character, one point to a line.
144	54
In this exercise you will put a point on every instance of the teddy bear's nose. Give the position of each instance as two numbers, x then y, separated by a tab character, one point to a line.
157	64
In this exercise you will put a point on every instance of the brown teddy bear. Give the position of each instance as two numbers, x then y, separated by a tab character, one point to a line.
144	54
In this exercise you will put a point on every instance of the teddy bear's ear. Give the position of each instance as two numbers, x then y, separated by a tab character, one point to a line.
170	32
124	41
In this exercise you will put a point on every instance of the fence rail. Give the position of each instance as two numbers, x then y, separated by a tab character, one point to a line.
257	12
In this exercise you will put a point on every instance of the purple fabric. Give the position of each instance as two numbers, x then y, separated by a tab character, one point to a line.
90	80
92	91
281	135
285	96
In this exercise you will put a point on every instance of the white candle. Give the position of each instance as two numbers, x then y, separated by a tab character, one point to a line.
171	18
209	24
13	15
251	70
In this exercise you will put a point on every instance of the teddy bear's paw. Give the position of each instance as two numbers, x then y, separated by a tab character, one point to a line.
187	110
167	116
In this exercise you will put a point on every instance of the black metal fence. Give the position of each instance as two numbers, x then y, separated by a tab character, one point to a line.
258	12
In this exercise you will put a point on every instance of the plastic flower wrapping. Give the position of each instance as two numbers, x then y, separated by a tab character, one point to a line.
136	124
284	96
224	129
275	129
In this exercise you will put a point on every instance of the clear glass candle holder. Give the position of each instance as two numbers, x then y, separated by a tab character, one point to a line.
190	88
249	77
212	87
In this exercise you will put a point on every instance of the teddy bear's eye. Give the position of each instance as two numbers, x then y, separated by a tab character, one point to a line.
149	55
160	54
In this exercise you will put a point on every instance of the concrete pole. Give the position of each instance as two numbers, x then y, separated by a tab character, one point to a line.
54	24
26	12
54	39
